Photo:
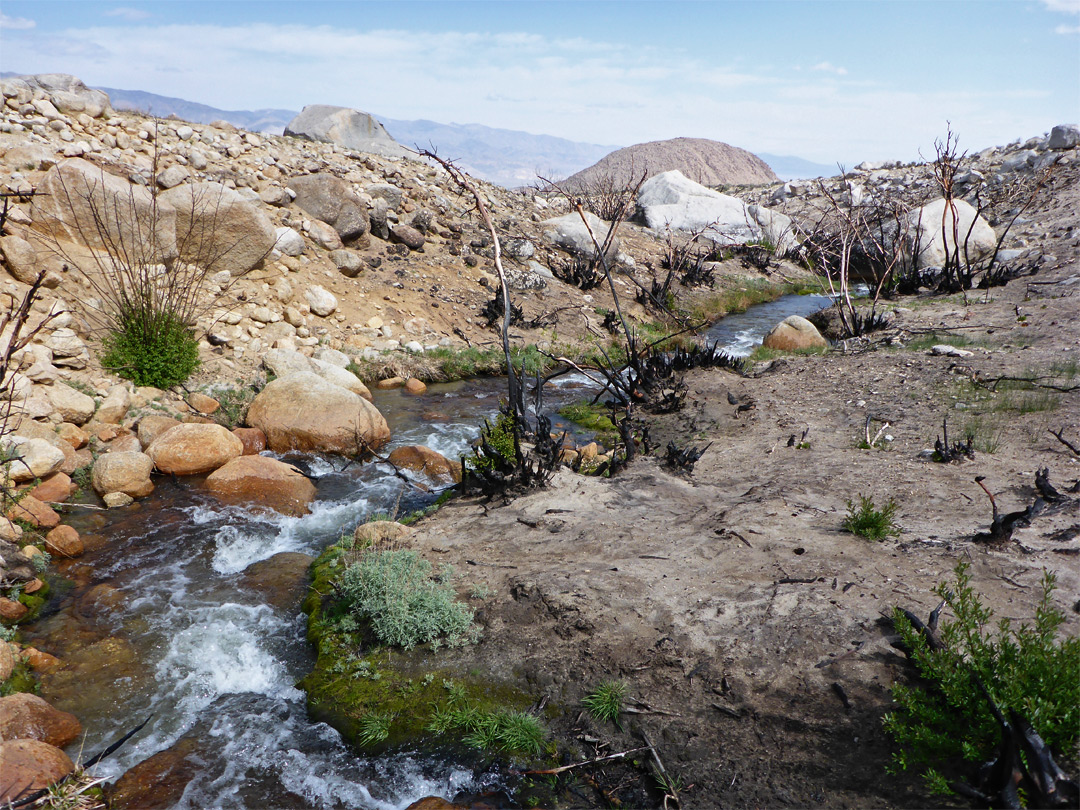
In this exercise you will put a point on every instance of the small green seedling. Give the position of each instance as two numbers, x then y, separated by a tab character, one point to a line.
869	522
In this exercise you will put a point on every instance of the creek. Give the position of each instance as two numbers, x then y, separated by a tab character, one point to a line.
162	620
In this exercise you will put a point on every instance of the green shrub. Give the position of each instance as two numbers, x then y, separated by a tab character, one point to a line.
156	349
866	520
394	592
606	703
947	724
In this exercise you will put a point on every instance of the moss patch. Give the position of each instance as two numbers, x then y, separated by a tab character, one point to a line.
21	679
594	418
409	697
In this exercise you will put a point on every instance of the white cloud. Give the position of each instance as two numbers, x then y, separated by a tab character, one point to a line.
586	90
15	23
1063	6
129	14
1067	29
828	67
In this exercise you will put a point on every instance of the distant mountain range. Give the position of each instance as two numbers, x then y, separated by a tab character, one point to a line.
502	156
788	167
272	121
507	157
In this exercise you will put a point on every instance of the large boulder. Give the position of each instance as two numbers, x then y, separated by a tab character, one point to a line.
194	448
30	157
126	472
334	373
673	201
74	406
1063	136
935	228
70	96
77	202
284	362
264	481
153	425
32	458
422	459
308	413
330	199
775	227
26	261
217	229
322	302
382	533
281	580
350	128
794	333
569	233
30	766
34	512
27	717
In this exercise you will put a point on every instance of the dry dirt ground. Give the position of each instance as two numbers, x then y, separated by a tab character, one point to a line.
731	601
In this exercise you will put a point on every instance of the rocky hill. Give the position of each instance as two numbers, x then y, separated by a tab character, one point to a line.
710	163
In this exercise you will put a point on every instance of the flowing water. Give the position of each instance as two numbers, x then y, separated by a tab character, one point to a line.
162	622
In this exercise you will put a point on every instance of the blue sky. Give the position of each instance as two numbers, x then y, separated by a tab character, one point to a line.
828	81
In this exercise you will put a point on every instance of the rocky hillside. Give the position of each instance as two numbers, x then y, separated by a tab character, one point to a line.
710	163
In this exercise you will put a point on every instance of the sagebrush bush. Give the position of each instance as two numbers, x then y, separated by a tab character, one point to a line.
155	349
946	724
395	594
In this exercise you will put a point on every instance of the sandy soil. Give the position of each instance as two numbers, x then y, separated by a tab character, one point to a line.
732	602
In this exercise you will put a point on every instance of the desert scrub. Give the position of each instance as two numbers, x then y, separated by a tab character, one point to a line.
234	402
446	364
867	521
606	703
396	596
945	725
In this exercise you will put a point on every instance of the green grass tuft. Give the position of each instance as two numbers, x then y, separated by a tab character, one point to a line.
606	703
373	728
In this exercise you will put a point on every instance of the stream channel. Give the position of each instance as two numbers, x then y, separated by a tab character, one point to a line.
160	619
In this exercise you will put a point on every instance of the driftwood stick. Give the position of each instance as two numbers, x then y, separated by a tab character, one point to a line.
608	758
